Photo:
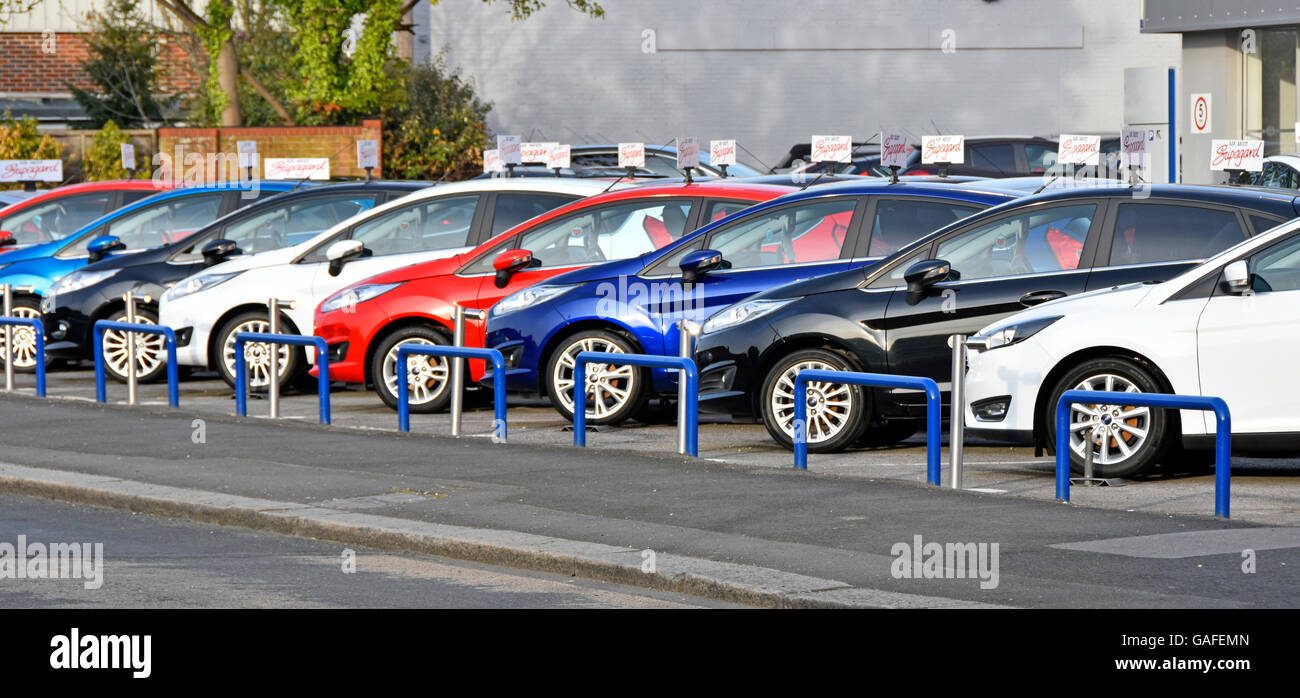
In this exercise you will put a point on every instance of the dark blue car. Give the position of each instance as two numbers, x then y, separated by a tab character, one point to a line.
633	305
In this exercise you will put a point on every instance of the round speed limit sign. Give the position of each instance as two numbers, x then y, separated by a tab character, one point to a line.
1201	113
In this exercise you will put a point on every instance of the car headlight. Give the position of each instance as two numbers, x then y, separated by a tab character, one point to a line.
350	297
194	284
1007	335
529	297
743	312
78	280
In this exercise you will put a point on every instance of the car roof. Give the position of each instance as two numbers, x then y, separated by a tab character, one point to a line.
554	185
924	186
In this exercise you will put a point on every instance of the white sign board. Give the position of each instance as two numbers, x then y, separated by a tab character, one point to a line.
558	157
631	154
894	150
297	168
1236	155
492	161
368	154
937	149
688	152
1200	115
128	156
535	152
722	153
247	153
1132	146
1079	150
31	170
508	149
831	149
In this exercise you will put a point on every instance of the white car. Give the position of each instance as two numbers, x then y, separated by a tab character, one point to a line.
208	309
1227	328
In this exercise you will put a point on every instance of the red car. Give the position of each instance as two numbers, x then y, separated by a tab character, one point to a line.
62	211
364	323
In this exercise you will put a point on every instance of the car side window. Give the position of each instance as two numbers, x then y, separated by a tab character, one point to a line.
155	225
1042	240
594	235
284	225
513	208
431	224
1040	157
1152	233
1261	224
55	219
999	157
899	222
1276	268
715	211
894	277
798	234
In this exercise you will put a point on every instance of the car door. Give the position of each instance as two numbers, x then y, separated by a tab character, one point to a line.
1246	343
1156	240
590	236
769	248
1002	266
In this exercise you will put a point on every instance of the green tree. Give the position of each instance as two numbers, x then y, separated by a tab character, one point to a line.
104	161
438	131
123	67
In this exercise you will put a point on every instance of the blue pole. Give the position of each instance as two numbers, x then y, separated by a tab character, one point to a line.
499	394
580	401
403	399
101	390
173	372
241	380
934	422
1063	450
39	329
323	379
1173	131
1222	457
692	425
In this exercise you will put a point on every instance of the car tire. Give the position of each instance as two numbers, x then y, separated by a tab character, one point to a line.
24	337
431	384
888	433
1138	434
619	394
291	357
151	349
832	426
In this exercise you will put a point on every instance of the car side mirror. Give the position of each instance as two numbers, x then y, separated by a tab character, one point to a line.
7	238
508	263
923	275
1236	278
101	246
342	252
217	251
698	263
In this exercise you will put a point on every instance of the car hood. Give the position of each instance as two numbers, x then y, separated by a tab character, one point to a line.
422	270
269	258
599	272
41	251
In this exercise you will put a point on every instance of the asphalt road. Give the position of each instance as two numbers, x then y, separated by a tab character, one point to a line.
153	562
823	525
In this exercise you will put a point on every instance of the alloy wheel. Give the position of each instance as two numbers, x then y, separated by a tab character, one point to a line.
830	405
257	355
1108	433
609	387
427	377
24	339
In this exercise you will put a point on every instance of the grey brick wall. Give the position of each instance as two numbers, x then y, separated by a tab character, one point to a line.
772	72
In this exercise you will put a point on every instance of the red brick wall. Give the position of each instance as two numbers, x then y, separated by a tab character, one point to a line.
25	68
338	143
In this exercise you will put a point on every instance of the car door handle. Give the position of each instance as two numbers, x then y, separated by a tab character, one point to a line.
1036	297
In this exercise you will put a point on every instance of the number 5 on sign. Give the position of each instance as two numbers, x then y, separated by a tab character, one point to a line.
1201	112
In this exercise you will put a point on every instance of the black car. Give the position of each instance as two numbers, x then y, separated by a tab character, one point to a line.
96	291
896	316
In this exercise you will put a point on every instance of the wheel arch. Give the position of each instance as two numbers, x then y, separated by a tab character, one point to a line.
1069	362
394	325
788	346
215	336
566	331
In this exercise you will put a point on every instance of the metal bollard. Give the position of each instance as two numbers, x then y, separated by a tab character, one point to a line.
130	349
273	385
9	338
459	313
960	343
686	349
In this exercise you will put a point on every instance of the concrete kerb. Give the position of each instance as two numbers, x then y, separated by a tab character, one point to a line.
724	581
